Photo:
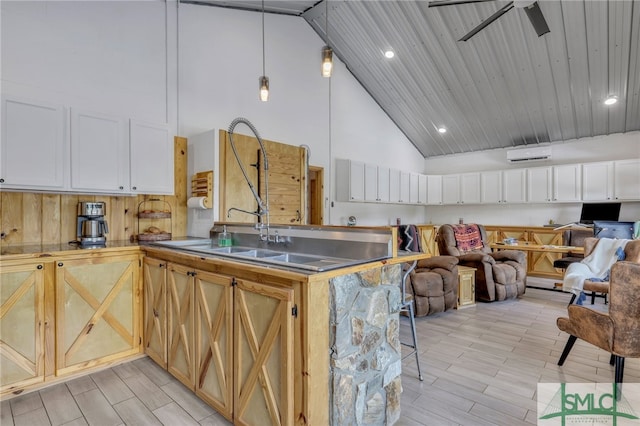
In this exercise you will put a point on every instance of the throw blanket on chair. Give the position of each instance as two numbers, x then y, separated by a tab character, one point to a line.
467	237
408	238
596	265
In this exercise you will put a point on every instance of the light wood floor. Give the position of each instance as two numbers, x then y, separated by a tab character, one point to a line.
480	365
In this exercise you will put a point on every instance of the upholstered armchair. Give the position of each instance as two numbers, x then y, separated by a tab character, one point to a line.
616	331
632	254
499	275
434	285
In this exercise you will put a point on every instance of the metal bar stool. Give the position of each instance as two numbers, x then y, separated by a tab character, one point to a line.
407	307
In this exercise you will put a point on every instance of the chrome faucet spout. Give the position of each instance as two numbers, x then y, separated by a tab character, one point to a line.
243	211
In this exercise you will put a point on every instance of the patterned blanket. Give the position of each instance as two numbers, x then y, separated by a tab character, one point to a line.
467	237
408	238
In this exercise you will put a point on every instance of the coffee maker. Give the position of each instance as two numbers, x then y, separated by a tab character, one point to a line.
91	224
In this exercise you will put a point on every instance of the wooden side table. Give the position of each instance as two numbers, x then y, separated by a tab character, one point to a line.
466	287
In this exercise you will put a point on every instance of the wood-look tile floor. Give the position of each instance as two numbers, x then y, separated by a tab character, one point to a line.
481	366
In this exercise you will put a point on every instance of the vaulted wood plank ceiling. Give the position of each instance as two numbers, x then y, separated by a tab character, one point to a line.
504	87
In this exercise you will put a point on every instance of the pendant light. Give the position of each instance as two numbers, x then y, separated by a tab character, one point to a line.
327	52
264	80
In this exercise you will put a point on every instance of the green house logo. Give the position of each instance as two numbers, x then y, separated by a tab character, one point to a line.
587	403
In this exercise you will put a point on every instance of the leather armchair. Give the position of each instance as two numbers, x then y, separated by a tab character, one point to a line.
499	275
434	285
616	331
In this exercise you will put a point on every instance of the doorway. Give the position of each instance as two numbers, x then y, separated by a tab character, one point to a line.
315	195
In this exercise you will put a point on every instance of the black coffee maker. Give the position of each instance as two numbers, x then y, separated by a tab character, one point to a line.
92	226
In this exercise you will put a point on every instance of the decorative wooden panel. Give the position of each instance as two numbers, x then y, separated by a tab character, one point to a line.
21	326
428	239
263	327
541	263
97	311
214	341
155	310
180	357
51	218
287	180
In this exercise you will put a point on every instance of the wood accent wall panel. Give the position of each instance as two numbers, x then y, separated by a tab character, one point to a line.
287	180
45	218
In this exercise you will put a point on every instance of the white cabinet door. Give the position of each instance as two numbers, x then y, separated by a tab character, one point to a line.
514	186
350	180
383	184
567	182
422	189
451	189
414	190
597	181
394	186
404	187
491	187
370	182
34	152
539	184
151	149
434	190
470	188
627	179
99	153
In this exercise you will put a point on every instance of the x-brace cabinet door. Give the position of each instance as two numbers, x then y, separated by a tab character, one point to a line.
263	329
155	310
97	311
180	357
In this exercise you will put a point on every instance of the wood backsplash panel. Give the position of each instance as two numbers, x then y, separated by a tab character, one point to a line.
43	218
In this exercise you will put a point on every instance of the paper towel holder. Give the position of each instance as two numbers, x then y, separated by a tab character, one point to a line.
202	186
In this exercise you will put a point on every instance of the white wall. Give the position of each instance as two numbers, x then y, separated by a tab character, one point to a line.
603	148
220	56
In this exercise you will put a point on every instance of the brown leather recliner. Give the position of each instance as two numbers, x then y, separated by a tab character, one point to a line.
434	285
499	275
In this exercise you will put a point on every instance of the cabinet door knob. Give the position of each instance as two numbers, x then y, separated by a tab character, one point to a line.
1	180
121	188
134	188
60	264
39	266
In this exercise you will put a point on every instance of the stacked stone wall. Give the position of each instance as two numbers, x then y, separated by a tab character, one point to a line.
365	347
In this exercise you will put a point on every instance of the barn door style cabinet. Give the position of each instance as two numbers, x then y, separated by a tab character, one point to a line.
22	319
97	311
213	320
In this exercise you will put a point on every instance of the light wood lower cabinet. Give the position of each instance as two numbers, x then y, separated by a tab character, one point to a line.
155	309
22	320
229	340
466	286
97	311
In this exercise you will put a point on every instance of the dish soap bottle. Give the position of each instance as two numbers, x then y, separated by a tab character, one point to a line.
224	238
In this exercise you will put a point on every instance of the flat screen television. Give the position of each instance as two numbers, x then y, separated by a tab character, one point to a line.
599	211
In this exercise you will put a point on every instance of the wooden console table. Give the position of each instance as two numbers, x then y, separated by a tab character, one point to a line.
548	248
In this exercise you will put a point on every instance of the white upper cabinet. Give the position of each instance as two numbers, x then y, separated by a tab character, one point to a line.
627	180
514	186
597	181
539	184
376	183
34	151
151	149
470	188
404	187
567	182
491	187
350	182
99	152
461	188
434	190
422	189
414	189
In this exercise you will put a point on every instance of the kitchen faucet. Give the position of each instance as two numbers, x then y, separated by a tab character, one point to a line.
263	206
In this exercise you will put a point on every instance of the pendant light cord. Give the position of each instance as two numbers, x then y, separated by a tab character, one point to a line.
263	67
326	21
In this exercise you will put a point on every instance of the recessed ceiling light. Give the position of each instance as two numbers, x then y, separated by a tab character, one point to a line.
611	100
442	129
389	54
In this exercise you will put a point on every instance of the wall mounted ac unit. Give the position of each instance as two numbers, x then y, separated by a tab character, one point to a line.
529	154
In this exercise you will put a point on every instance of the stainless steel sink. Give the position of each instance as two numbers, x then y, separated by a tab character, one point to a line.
273	257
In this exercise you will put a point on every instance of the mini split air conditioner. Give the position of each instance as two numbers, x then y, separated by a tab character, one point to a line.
529	154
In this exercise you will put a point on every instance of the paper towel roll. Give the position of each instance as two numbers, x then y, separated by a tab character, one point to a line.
196	203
